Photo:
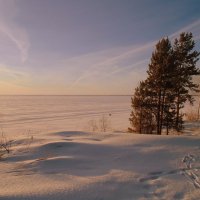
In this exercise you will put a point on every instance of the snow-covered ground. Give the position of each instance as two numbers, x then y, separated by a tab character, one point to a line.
50	161
113	166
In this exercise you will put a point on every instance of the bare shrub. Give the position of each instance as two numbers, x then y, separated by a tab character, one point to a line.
93	125
5	145
29	139
104	123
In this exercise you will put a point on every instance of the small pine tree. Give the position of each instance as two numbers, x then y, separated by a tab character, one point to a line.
141	119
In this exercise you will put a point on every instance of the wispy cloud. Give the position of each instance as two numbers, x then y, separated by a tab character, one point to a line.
116	63
133	66
10	28
115	70
124	59
194	27
5	71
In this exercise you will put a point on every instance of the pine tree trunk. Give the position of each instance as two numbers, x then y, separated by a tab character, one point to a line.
167	123
177	112
162	111
140	121
167	128
158	113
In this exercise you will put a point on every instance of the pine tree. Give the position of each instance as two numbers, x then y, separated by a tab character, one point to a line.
158	100
141	118
186	59
159	79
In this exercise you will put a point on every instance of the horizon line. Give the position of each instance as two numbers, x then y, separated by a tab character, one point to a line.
65	94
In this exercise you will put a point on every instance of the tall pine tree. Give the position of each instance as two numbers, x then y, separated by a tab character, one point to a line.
185	61
160	79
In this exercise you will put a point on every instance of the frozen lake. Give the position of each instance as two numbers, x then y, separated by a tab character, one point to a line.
54	113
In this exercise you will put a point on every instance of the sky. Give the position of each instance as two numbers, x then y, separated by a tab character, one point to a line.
86	47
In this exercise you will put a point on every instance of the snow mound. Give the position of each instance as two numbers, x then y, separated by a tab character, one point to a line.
114	166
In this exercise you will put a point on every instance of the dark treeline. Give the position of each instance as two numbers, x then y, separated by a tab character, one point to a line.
158	100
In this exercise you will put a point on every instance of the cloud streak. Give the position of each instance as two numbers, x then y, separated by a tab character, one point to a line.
12	30
114	64
194	27
14	74
135	56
